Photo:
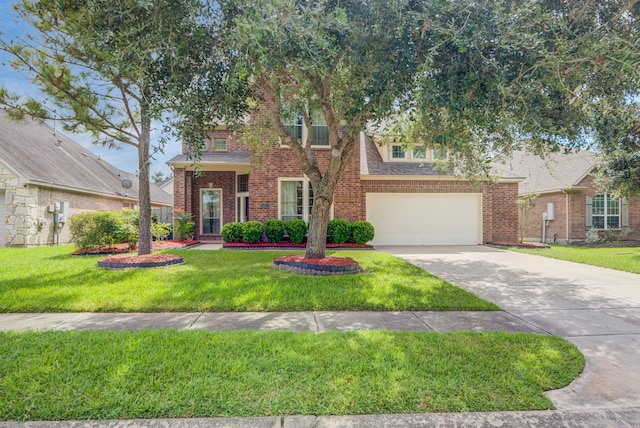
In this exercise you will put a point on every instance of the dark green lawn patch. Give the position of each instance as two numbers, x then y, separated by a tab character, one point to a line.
167	373
623	258
50	279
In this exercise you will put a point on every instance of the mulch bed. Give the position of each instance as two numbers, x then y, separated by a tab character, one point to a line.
325	266
612	244
122	261
124	248
519	244
291	246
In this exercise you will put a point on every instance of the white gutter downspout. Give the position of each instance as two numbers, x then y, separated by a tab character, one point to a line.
566	213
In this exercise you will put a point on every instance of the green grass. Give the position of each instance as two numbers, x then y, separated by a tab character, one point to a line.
50	279
624	259
168	373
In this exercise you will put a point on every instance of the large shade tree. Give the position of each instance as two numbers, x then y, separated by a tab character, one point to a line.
478	77
115	68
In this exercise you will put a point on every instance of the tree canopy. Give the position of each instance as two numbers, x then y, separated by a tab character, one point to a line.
480	78
111	68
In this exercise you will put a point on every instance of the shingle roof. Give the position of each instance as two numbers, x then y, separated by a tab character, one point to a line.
371	163
42	156
560	171
236	158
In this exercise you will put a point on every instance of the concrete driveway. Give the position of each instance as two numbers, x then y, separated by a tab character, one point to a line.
595	308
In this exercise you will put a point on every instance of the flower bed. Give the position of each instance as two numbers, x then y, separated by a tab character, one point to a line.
325	266
291	246
519	244
124	248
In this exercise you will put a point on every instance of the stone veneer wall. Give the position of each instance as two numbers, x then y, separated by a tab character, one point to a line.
27	220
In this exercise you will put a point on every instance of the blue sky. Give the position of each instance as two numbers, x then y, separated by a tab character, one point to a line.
125	158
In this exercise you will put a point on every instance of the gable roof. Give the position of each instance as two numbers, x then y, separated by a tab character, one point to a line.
41	156
559	171
372	164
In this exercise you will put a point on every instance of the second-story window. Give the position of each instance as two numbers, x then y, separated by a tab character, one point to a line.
294	123
219	144
397	152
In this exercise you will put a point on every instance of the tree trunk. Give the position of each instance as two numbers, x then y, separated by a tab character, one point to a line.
317	236
144	231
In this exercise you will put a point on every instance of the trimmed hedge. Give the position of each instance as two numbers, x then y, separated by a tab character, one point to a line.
104	228
297	230
362	232
252	231
275	230
232	232
339	230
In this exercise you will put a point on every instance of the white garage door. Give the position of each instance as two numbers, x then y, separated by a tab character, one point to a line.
425	219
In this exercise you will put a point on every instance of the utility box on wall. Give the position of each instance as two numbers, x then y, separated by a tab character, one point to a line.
551	211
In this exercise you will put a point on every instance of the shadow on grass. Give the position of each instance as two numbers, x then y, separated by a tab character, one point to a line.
222	281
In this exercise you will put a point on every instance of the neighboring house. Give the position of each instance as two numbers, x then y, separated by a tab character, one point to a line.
166	185
567	191
40	169
399	192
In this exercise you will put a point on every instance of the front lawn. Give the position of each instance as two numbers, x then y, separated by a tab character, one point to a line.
50	279
168	373
625	258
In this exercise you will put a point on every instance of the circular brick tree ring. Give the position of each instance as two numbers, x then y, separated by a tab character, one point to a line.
122	261
325	266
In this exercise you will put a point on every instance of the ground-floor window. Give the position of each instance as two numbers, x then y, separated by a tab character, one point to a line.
296	199
605	212
211	211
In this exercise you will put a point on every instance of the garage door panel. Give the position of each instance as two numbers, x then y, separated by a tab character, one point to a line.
425	219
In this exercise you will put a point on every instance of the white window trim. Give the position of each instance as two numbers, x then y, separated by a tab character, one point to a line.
409	156
305	134
306	185
605	214
206	189
226	145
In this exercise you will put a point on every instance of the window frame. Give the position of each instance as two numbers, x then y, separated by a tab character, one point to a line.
300	131
306	198
608	203
202	217
216	149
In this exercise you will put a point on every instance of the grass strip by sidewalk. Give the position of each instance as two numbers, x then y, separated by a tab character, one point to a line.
626	259
50	279
168	373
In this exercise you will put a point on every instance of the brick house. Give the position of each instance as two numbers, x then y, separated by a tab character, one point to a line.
397	190
568	193
40	169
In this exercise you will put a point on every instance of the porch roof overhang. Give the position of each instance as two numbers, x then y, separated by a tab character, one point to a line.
220	161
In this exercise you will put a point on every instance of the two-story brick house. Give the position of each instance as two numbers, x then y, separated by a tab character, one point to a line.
398	191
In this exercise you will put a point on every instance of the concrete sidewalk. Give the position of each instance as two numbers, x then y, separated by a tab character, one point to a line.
268	321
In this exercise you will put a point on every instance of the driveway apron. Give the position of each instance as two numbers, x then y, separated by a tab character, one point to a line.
595	308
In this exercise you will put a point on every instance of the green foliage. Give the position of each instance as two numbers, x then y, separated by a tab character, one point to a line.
160	230
252	231
362	232
592	236
297	230
232	232
339	230
274	229
106	228
610	257
184	228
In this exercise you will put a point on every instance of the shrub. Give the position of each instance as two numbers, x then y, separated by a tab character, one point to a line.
297	230
339	230
252	231
274	229
160	230
592	236
94	229
362	232
232	232
184	227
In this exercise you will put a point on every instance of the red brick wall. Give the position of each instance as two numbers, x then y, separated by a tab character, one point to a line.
533	223
233	144
281	162
500	213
